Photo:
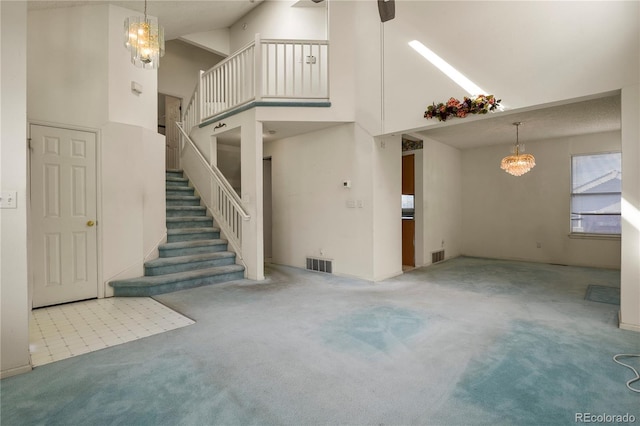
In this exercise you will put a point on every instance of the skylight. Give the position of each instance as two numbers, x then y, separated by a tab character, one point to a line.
447	69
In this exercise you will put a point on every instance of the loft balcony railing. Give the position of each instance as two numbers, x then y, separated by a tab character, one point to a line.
263	71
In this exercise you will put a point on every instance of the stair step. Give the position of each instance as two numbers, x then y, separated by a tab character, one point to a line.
150	286
192	234
189	222
179	190
181	211
174	173
170	265
185	248
183	200
174	181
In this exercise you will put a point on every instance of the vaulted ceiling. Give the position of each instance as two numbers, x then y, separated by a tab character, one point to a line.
178	17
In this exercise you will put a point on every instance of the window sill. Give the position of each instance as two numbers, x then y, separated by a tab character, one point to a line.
585	236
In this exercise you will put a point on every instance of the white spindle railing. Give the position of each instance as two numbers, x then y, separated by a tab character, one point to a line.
229	84
191	115
295	69
215	191
277	70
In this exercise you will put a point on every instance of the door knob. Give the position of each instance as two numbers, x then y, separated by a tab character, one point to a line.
90	223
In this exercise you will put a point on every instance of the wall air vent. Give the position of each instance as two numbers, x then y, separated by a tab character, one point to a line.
320	265
437	256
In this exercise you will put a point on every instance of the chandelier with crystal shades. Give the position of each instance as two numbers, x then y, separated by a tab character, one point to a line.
145	40
518	164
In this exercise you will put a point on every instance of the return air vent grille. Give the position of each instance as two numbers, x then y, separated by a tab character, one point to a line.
320	265
437	256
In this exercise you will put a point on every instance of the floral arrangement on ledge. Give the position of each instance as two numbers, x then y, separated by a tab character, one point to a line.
455	108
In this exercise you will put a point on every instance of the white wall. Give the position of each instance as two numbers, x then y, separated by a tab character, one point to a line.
125	106
68	65
442	203
180	69
313	215
282	20
630	270
131	235
14	320
506	216
214	41
367	66
80	73
515	50
387	212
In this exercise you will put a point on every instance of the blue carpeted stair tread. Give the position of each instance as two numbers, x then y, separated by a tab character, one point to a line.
148	281
191	262
182	200
177	179
201	230
195	243
181	211
164	261
182	197
189	222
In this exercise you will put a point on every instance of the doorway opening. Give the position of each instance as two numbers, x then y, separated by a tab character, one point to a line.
267	209
169	112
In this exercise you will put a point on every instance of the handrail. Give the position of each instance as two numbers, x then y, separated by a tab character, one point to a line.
225	186
230	57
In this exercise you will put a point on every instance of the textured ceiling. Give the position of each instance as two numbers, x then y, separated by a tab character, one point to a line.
577	118
178	17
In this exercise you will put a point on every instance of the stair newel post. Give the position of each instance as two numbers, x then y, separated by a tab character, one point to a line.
200	91
257	65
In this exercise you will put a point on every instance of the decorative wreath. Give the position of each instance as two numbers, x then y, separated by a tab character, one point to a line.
481	104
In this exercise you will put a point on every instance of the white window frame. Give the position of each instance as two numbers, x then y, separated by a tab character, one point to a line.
579	234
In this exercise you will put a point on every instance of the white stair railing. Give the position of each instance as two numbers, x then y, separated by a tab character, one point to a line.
276	70
295	69
215	191
191	115
228	84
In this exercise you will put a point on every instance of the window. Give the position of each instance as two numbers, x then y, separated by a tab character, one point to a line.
596	186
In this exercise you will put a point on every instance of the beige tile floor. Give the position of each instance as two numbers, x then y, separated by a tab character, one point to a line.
64	331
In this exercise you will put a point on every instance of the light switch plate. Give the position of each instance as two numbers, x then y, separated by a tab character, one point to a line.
9	199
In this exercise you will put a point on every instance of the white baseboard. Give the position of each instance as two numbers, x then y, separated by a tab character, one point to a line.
630	327
15	371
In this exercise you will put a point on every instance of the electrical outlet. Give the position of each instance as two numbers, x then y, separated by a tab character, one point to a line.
9	199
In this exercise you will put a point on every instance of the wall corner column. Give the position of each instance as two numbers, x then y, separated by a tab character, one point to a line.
630	267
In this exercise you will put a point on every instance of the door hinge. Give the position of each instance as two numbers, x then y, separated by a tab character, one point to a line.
29	144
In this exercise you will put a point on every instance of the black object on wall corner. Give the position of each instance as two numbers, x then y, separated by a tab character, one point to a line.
387	9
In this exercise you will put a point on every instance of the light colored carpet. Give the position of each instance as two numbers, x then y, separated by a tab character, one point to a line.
467	341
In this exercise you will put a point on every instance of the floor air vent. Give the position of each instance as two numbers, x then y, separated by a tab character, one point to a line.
437	256
320	265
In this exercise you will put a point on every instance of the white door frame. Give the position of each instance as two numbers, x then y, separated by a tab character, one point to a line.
98	134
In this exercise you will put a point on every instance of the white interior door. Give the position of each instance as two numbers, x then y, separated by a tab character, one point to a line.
63	215
172	114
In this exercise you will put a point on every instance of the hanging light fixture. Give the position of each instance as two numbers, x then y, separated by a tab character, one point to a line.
519	163
145	40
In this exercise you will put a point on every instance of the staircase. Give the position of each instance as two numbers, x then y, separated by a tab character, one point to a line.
194	254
